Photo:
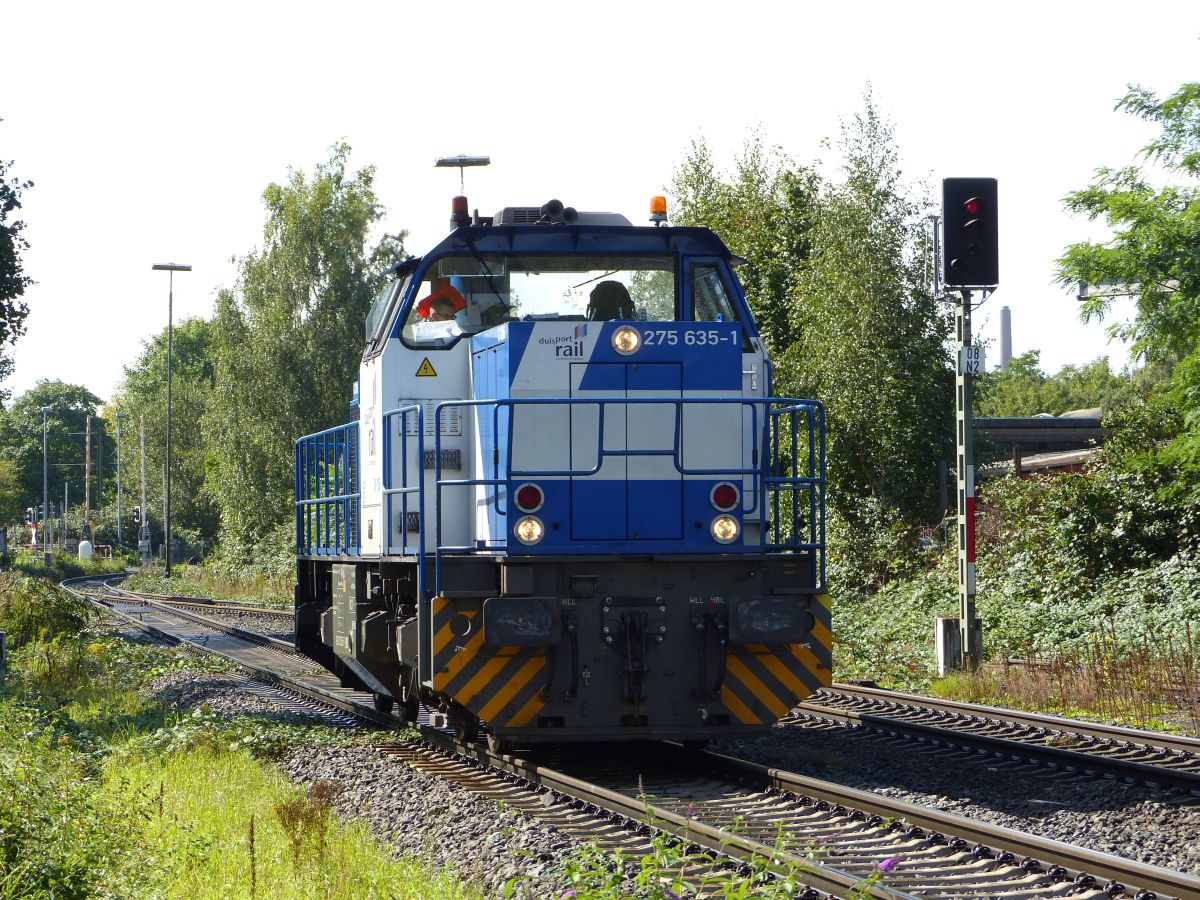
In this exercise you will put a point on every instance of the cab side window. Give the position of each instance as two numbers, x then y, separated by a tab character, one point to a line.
710	299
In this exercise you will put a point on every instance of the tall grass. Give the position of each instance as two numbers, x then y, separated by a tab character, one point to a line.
202	807
1151	684
218	584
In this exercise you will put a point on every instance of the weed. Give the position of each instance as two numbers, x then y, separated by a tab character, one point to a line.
306	817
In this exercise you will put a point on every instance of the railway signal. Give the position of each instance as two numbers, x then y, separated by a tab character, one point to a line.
970	242
969	210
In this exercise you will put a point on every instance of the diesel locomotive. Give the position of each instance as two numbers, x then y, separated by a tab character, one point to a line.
566	506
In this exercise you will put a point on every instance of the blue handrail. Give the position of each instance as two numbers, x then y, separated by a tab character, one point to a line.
327	492
788	452
779	431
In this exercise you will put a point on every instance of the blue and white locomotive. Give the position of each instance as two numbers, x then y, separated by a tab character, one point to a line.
568	507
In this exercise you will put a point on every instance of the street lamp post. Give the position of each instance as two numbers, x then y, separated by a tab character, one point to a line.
45	489
172	268
119	480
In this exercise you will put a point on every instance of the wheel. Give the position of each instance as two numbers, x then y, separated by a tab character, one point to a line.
499	744
466	730
410	708
383	703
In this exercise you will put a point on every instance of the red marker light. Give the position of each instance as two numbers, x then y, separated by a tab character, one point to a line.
972	206
724	496
529	498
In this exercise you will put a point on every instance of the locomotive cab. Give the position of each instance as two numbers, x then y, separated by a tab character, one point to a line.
569	508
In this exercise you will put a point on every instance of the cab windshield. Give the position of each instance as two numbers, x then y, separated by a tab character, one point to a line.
468	294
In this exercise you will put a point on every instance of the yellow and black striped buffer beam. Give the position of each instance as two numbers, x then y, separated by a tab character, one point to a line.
762	683
501	685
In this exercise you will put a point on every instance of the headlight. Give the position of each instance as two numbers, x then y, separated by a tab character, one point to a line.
725	529
626	340
528	530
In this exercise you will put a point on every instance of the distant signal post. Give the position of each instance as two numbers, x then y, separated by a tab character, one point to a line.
970	261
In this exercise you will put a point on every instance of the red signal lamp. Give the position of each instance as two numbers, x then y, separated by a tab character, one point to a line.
972	206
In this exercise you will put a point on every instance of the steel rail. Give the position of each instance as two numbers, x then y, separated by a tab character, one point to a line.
1153	739
206	603
825	879
1076	860
891	714
252	637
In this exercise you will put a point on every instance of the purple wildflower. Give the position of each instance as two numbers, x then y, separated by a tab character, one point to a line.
670	895
567	895
890	863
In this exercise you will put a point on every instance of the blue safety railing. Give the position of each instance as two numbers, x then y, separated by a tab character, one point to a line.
410	492
788	452
327	492
786	495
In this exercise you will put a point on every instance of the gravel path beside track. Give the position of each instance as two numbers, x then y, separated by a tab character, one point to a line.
1157	827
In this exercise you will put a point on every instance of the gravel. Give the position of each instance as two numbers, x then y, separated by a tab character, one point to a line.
227	696
262	623
1160	827
420	815
448	826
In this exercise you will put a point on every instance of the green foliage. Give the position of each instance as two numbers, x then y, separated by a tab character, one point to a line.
12	493
213	824
109	794
287	341
142	395
1152	256
58	837
765	210
1108	553
21	441
872	339
13	279
62	565
33	609
1025	390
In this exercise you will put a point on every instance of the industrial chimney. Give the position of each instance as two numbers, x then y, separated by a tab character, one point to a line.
1005	337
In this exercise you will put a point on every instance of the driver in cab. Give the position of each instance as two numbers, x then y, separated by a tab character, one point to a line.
436	313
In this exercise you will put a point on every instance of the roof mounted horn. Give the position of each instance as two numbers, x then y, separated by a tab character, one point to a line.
554	213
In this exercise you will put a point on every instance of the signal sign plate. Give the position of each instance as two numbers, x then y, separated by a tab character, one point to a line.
971	360
426	369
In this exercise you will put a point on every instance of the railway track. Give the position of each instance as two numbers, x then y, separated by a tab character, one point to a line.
1068	745
758	818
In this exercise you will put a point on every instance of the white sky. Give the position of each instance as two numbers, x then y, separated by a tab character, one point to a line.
151	129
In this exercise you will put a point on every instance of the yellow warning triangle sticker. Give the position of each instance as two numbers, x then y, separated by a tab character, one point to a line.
426	370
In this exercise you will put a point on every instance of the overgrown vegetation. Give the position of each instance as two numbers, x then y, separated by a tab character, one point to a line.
1098	570
109	792
220	582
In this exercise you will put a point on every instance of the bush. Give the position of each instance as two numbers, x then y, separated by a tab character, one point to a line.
33	609
1062	560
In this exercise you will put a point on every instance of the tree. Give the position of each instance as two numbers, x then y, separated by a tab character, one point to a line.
11	492
765	211
1156	231
21	441
143	395
13	279
1153	257
287	340
1025	390
871	339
